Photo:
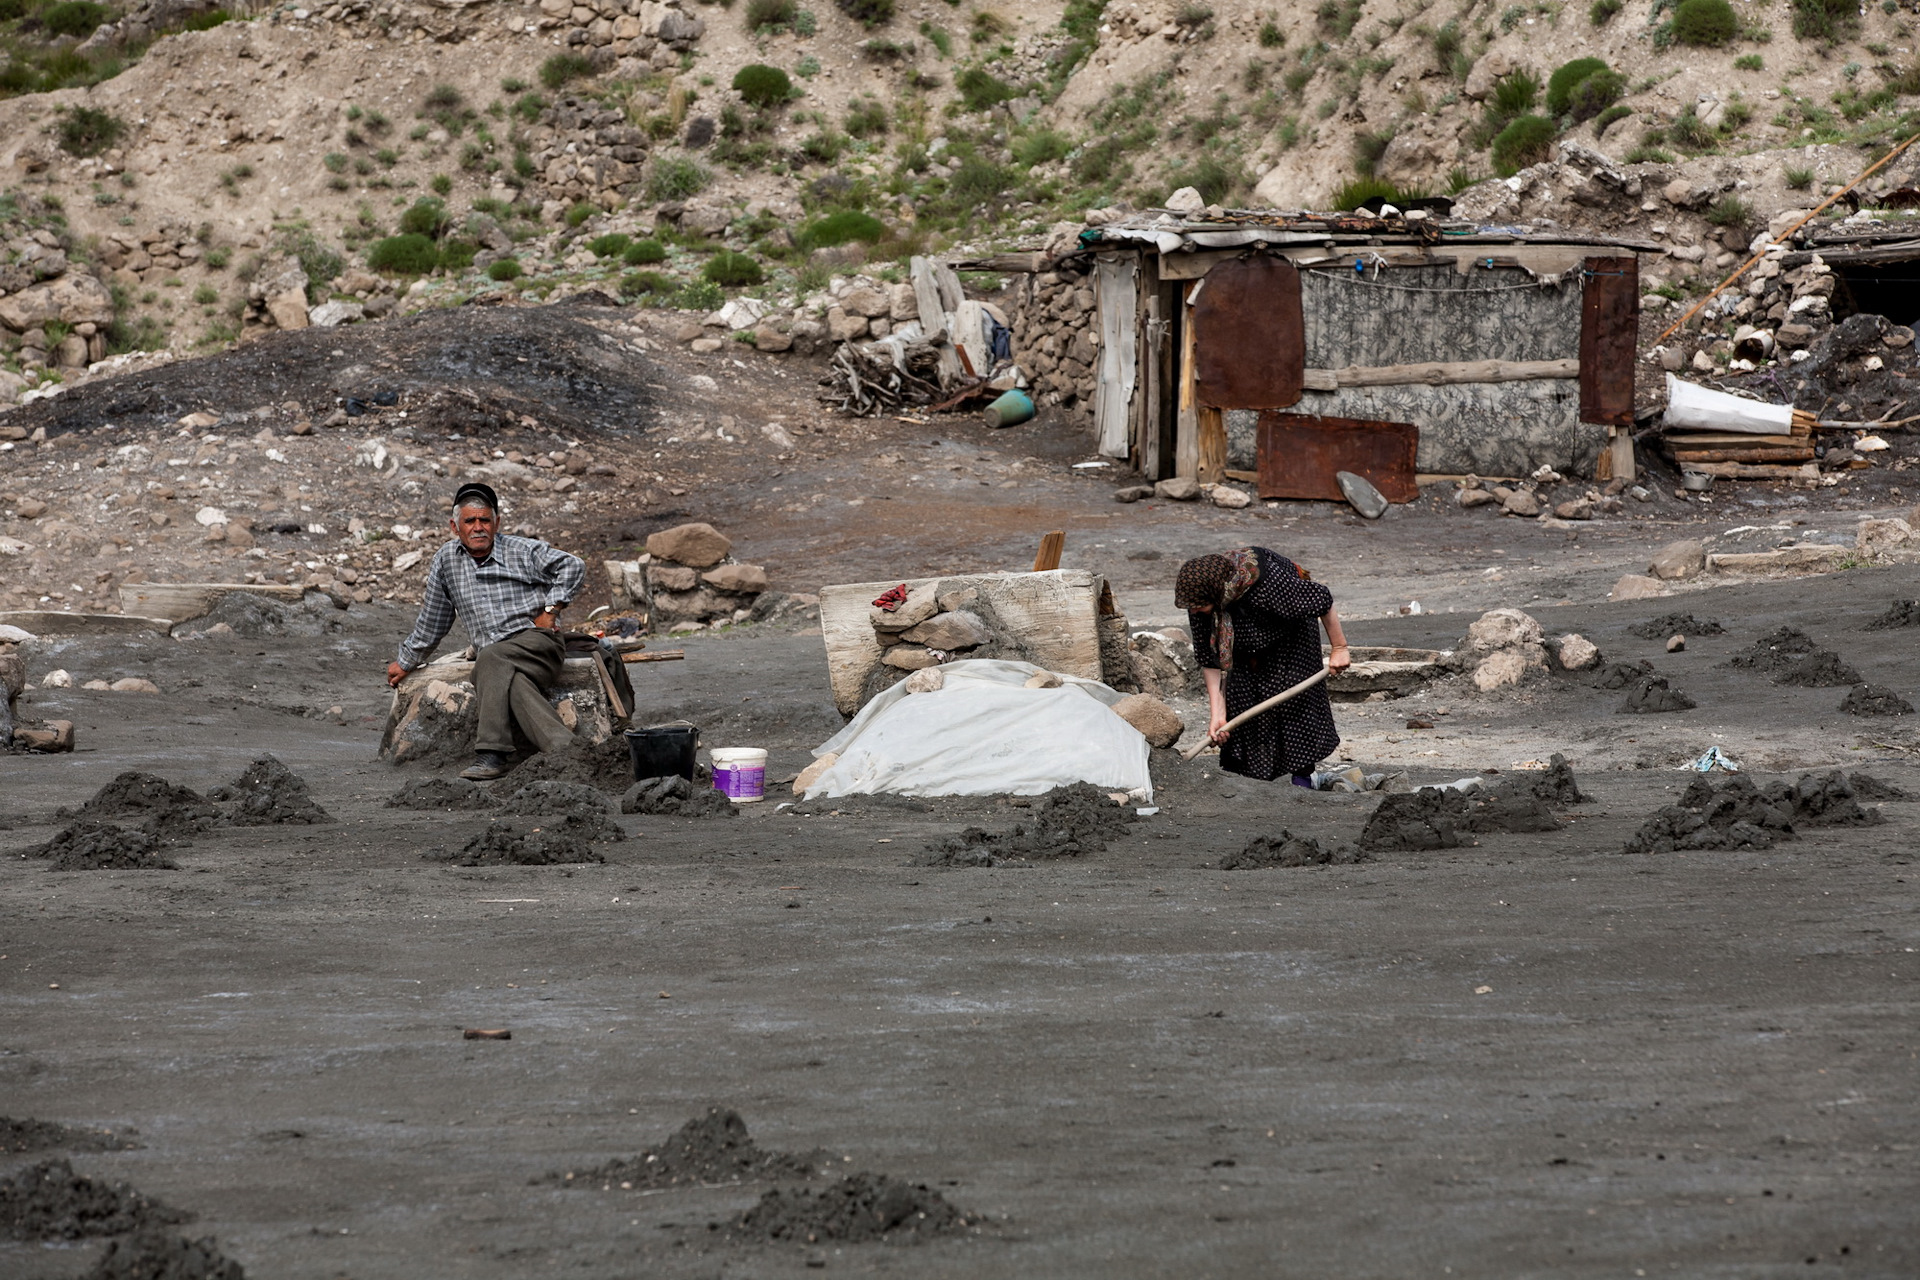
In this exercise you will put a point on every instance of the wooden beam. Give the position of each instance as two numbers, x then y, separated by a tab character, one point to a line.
1623	466
1048	557
1020	263
1186	442
1439	374
1806	474
1212	430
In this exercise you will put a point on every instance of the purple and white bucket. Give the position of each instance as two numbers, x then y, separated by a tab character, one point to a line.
740	773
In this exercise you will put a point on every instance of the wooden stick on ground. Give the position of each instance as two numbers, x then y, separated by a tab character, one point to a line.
1251	712
665	655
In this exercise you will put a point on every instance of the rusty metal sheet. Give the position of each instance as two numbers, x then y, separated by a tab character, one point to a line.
1250	345
1609	325
1299	453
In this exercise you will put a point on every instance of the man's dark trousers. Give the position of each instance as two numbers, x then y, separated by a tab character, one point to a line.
509	677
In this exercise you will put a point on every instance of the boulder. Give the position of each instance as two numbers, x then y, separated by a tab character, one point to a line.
910	657
72	299
698	544
1178	489
328	315
811	774
1503	629
1232	499
54	737
1133	493
741	579
959	629
1044	680
1634	586
1471	498
1156	721
1679	560
134	684
930	680
1508	667
288	309
1576	653
1877	537
672	577
1481	78
1521	502
921	603
865	301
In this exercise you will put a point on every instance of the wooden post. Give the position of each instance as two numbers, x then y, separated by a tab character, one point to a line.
1620	446
1186	444
1050	548
1212	466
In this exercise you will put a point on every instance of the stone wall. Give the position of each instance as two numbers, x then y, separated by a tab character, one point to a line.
1056	331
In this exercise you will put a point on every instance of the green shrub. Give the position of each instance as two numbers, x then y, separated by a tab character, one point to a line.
765	14
1561	83
1730	211
761	85
1708	23
1799	179
87	131
1351	195
699	295
866	118
1749	62
441	184
732	270
636	283
823	146
1214	178
206	21
217	259
407	255
1514	95
1042	146
1826	20
871	12
457	253
1648	153
977	181
1447	42
611	245
1368	147
1607	117
428	217
562	68
76	18
1689	131
440	98
642	252
841	228
504	269
206	295
981	90
1271	36
675	178
1525	141
1601	12
1597	93
580	212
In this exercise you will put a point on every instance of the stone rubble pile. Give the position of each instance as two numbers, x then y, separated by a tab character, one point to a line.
687	579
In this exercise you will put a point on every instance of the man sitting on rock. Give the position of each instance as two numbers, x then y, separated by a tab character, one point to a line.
508	591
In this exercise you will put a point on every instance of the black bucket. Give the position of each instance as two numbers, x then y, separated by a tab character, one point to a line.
663	751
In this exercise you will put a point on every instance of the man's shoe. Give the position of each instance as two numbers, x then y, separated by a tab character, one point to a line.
486	766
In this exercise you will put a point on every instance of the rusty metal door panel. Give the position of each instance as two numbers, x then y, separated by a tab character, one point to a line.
1299	453
1250	348
1609	325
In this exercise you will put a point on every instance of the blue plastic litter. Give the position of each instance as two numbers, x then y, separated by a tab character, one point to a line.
1714	758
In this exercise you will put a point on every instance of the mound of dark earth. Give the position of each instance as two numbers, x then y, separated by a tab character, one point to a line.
1554	785
1874	700
858	1209
567	839
1868	787
442	794
49	1201
1789	656
471	370
101	846
606	765
1618	675
675	797
1670	624
1651	695
1740	814
18	1136
709	1149
162	1255
163	809
1070	822
1821	669
586	810
267	793
1436	818
1287	850
1901	613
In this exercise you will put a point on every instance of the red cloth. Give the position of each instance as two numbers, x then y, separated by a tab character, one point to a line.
892	598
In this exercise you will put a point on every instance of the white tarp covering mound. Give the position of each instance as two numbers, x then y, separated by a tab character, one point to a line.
985	733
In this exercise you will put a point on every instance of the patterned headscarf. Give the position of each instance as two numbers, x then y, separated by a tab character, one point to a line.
1217	581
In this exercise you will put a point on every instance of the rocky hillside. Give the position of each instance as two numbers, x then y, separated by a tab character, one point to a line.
176	177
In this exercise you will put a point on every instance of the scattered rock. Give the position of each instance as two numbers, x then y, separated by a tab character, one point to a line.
1507	667
699	545
1577	653
740	579
1157	722
958	629
1521	502
1679	560
910	657
1676	643
1652	695
1503	629
1133	493
931	680
134	684
804	781
1228	497
1178	489
922	602
1633	586
1042	680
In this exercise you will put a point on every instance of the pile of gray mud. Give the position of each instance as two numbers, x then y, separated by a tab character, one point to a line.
1652	695
587	810
1440	818
1070	822
1874	700
101	846
19	1136
1901	613
1288	850
1790	656
675	797
860	1208
1740	814
562	840
1675	624
267	793
442	794
710	1149
49	1201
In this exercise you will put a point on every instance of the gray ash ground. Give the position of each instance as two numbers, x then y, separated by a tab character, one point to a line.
102	846
49	1201
567	839
442	794
675	797
1675	624
858	1209
1652	695
1901	613
19	1136
1741	814
154	1254
266	794
708	1150
1875	700
1071	822
1288	850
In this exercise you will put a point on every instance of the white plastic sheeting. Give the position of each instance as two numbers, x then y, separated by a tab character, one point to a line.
1703	409
985	733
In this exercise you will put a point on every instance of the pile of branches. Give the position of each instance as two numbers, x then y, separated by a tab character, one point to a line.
881	378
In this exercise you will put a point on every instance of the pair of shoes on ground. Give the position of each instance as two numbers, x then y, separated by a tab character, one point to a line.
488	765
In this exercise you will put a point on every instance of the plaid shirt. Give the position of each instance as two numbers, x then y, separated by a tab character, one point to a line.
496	597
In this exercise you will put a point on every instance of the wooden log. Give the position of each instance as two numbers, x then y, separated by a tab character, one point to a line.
665	655
1212	428
1734	439
1440	374
1806	474
179	601
1694	457
52	622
